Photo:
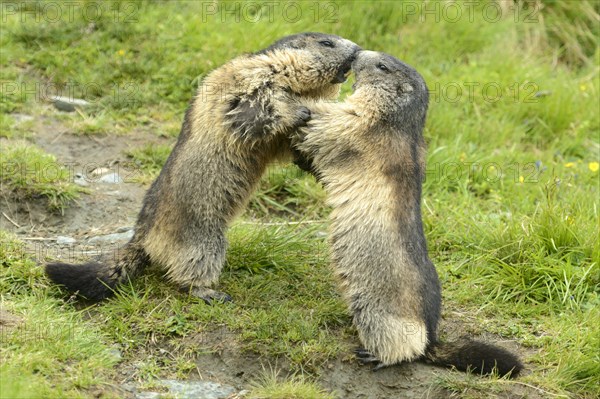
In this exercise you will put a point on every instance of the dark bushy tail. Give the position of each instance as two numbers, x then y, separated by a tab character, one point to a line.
97	280
477	357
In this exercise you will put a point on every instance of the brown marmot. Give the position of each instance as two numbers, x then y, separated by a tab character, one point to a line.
369	152
238	123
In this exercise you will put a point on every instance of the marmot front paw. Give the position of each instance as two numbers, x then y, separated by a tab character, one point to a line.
303	115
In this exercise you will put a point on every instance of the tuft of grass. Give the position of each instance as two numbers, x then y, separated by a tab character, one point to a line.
548	257
90	125
287	191
573	361
11	128
571	28
29	172
46	348
271	386
150	158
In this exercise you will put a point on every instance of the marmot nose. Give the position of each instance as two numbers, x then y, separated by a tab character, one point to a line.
350	44
355	54
356	59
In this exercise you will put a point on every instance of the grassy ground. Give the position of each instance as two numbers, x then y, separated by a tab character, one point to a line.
510	199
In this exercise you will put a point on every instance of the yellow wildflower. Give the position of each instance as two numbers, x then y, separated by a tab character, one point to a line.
582	87
121	52
593	166
570	164
521	179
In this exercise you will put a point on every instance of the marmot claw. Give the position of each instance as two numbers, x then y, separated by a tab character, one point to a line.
365	357
210	296
303	114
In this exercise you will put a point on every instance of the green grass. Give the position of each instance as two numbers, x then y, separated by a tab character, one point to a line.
151	158
46	351
29	172
271	386
510	199
287	191
264	264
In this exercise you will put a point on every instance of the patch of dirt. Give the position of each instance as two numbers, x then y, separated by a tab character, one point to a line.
220	358
228	364
347	378
344	375
109	207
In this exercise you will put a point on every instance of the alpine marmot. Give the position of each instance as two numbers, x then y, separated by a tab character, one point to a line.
238	123
369	152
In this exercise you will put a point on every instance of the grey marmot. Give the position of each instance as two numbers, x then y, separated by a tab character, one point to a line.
238	123
369	153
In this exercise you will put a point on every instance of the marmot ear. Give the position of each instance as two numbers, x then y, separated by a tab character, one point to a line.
405	88
298	45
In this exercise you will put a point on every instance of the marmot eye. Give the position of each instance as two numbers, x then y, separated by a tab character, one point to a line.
383	67
326	43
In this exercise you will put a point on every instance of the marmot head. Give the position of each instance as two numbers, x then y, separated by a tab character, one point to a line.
312	62
390	89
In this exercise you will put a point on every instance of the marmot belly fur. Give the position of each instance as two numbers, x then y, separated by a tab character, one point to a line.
238	123
369	152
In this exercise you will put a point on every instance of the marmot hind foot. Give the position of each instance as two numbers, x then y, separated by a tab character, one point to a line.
210	296
366	357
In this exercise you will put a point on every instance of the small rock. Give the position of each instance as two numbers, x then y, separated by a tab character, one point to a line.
110	238
542	93
65	240
68	104
99	171
80	180
128	387
191	390
111	178
115	354
198	389
22	117
148	395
